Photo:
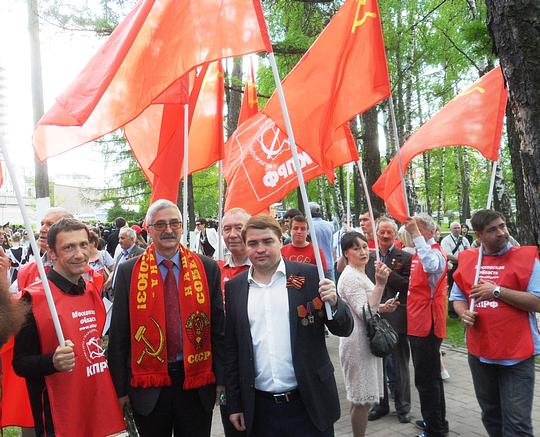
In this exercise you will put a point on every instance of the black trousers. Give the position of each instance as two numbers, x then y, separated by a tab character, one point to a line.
401	380
427	378
288	419
176	409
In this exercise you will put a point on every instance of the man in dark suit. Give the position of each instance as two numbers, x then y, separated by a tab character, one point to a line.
279	377
112	239
170	384
396	366
127	240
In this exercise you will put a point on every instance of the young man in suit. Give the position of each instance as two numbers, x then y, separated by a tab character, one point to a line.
167	331
398	282
279	376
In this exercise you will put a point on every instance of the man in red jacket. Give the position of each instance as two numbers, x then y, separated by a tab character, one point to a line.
502	334
426	322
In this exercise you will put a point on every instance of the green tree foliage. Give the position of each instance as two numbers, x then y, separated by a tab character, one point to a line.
434	49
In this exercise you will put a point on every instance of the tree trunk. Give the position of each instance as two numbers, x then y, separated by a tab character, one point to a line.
441	187
234	97
515	31
465	204
337	196
501	199
523	217
371	157
358	195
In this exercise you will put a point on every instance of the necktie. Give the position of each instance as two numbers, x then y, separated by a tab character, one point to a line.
125	253
172	313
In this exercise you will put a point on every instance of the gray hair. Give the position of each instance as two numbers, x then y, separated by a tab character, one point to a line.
455	223
238	211
386	219
157	206
130	232
58	210
405	238
427	221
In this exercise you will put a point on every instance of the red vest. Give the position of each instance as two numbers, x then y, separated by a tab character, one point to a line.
83	401
422	308
28	274
500	331
15	408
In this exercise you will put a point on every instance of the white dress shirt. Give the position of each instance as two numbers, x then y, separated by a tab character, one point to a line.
268	313
433	261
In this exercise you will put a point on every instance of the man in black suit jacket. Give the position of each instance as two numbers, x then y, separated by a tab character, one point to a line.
398	281
279	377
160	409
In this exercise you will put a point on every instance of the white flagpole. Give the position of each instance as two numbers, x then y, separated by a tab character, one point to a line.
301	182
33	244
481	249
220	209
185	214
492	184
398	153
370	208
348	196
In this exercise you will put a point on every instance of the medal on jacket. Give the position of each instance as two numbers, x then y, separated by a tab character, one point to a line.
318	304
302	314
311	317
295	281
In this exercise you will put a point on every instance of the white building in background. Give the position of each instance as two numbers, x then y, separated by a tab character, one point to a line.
72	192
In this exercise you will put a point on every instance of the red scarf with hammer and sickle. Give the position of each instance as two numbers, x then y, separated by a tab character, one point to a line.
148	322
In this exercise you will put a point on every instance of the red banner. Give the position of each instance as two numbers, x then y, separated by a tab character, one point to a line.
473	118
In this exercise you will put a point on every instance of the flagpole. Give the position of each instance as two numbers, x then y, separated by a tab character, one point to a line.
33	244
348	168
481	249
220	209
491	185
186	172
301	182
398	153
370	208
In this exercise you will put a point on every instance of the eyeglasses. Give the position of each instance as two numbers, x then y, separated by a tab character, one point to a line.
162	225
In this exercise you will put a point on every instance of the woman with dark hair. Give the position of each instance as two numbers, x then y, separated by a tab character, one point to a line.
465	232
362	370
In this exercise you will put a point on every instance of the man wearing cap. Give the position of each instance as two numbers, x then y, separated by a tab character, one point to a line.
205	240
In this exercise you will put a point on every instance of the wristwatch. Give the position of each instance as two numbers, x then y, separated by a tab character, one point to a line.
496	292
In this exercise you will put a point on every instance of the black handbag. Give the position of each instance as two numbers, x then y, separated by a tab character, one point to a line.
382	337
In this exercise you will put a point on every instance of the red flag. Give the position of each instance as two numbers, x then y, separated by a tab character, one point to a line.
157	135
250	105
473	118
156	44
259	168
343	74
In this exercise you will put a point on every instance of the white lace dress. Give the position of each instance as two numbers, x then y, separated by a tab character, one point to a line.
361	369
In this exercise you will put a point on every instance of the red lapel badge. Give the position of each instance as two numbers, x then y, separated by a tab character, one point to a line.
295	281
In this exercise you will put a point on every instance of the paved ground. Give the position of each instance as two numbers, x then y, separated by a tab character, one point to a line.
462	410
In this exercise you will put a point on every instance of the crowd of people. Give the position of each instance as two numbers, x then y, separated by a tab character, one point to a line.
161	332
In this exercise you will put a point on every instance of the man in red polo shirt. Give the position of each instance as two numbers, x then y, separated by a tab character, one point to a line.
300	250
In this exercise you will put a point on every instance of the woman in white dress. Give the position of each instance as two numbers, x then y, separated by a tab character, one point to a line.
362	370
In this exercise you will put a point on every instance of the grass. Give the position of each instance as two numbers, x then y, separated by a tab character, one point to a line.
454	333
12	431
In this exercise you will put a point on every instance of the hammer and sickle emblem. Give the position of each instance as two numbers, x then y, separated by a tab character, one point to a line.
360	21
477	88
150	350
